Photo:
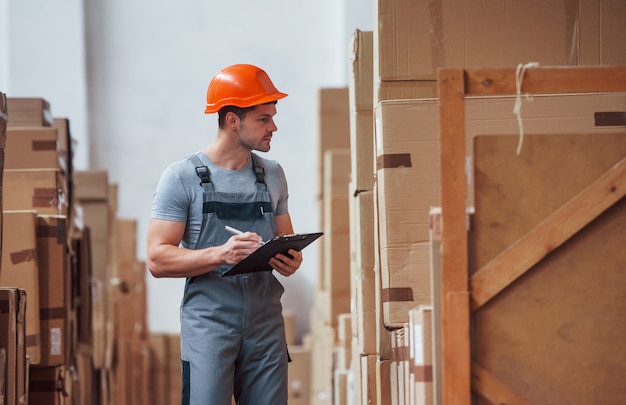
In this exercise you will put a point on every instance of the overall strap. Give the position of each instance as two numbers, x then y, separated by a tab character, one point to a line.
201	169
257	167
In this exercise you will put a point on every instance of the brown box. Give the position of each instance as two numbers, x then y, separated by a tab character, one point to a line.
343	346
404	89
408	174
125	231
86	375
50	386
81	289
34	148
12	333
42	190
298	375
54	290
333	127
422	367
92	195
336	241
289	317
3	127
361	105
175	369
160	380
383	382
363	276
415	38
91	185
28	112
20	269
368	379
66	144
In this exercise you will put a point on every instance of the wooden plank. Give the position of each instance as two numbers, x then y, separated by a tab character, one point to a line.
493	390
454	283
546	80
548	235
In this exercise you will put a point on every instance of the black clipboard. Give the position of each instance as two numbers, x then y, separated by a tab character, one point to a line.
258	260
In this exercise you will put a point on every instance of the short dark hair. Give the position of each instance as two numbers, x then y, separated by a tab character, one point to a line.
238	111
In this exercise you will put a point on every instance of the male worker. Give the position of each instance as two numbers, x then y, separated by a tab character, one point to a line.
232	329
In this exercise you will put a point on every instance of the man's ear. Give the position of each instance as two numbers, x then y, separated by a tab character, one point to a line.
232	120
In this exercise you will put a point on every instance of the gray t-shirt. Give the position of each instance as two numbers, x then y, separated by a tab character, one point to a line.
178	196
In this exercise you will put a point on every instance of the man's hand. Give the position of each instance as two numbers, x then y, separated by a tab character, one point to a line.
238	247
285	264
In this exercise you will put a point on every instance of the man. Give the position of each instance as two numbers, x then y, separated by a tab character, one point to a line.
232	329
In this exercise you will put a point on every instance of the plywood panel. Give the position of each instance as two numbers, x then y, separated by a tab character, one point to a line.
556	334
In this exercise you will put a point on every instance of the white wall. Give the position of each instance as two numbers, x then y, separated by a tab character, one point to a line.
132	78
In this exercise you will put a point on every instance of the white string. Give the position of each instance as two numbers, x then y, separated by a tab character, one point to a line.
517	109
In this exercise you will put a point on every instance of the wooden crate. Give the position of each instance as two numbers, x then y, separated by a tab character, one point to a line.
454	86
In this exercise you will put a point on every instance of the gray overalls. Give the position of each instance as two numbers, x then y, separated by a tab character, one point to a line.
232	329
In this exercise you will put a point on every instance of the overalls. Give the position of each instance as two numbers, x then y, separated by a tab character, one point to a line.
232	328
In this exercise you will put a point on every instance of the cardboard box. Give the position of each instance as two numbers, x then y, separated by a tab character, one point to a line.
175	369
361	106
298	375
34	148
362	280
42	190
81	263
336	240
50	386
12	334
125	231
384	390
20	269
415	38
333	128
91	185
340	387
54	290
369	389
160	368
87	377
29	112
92	194
289	317
421	344
404	89
66	144
408	173
3	127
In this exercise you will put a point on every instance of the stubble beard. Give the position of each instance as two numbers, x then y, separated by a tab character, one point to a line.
262	146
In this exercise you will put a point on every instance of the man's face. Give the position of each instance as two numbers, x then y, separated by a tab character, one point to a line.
255	131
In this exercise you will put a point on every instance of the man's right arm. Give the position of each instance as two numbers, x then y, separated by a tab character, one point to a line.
166	259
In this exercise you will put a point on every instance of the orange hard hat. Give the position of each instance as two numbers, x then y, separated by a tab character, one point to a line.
240	85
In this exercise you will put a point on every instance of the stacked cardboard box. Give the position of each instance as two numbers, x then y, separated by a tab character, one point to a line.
394	162
83	337
35	231
13	357
333	286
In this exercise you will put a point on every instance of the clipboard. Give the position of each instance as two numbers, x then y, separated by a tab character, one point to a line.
258	260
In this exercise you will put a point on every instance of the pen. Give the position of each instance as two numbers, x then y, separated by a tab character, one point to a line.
233	230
